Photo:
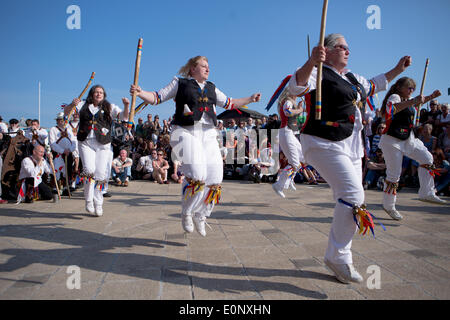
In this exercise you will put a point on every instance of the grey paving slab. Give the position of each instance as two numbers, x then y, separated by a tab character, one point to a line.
259	247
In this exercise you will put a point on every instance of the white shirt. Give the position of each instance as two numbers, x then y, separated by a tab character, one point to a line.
64	143
145	163
42	135
29	170
3	127
170	92
352	145
116	112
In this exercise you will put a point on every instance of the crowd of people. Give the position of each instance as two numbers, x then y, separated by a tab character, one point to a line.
144	153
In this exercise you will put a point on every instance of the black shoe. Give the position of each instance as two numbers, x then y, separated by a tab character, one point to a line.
107	195
65	193
29	200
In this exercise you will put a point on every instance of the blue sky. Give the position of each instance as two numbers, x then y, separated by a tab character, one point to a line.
251	46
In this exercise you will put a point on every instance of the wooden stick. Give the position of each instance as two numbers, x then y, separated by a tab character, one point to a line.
309	50
136	77
50	160
319	67
67	176
421	92
79	97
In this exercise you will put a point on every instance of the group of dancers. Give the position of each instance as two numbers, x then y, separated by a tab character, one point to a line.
333	145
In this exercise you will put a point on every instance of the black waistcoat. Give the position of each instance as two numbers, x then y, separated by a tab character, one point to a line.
97	122
192	102
401	124
338	107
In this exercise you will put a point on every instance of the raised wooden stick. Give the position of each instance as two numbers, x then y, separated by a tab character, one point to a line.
136	77
319	67
79	97
309	50
421	91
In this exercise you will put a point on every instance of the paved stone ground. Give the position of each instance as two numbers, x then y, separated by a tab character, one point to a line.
261	247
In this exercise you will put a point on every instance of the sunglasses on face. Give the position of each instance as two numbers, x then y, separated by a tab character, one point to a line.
342	47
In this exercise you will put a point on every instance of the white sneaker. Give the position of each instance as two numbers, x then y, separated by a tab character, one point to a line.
345	273
433	199
394	214
292	185
278	192
186	222
199	223
98	211
90	207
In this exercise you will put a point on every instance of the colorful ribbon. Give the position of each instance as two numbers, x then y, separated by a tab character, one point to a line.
194	186
432	170
391	187
362	218
214	194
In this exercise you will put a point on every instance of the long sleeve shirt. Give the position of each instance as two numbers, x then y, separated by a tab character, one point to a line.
353	145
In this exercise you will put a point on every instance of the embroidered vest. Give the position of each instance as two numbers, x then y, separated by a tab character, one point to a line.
401	124
339	102
97	122
191	102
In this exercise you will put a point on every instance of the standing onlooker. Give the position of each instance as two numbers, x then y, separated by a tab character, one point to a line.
156	129
140	128
3	126
13	127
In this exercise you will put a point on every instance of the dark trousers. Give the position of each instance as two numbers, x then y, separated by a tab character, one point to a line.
45	192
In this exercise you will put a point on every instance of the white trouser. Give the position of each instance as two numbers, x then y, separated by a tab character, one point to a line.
292	149
96	159
199	152
344	176
393	157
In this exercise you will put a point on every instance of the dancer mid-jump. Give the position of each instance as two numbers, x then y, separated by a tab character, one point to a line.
194	137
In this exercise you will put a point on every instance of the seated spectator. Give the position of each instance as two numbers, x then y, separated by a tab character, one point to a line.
31	172
428	140
160	168
145	165
442	119
376	169
177	175
376	138
121	168
444	141
442	178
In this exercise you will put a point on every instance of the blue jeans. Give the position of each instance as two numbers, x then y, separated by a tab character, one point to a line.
372	176
126	173
442	182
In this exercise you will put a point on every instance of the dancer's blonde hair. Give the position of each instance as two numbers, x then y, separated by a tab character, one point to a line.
185	70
